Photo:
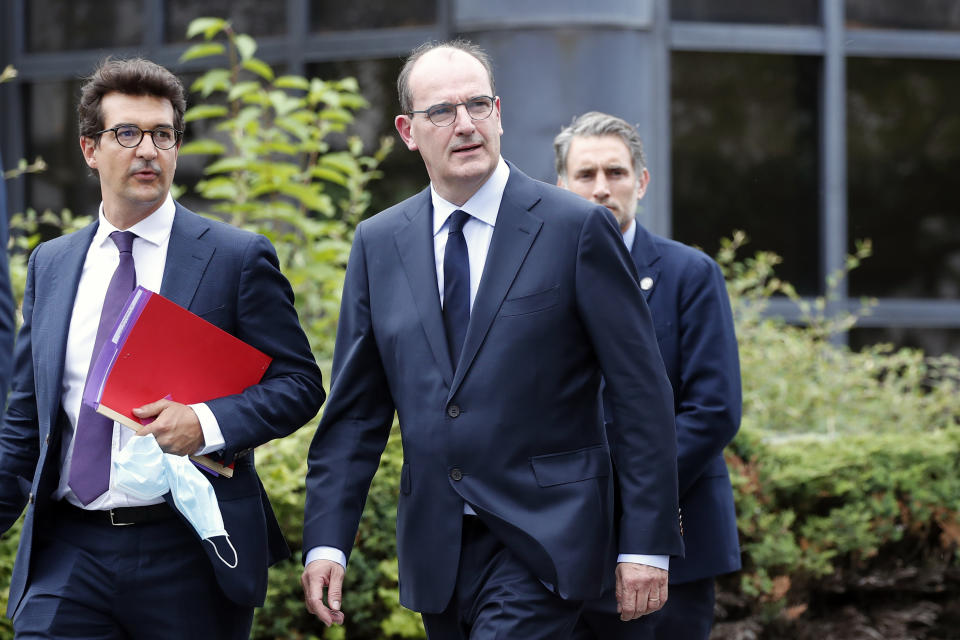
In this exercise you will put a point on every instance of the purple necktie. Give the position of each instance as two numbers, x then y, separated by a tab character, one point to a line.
456	285
90	464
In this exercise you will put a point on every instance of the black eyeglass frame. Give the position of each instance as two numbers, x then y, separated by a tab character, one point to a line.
447	105
177	135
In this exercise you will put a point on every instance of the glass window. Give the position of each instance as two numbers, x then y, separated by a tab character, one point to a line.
941	15
744	146
403	171
50	111
59	25
747	11
903	131
336	15
931	341
253	17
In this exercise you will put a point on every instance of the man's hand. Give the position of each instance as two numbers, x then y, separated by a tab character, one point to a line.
641	589
317	575
176	426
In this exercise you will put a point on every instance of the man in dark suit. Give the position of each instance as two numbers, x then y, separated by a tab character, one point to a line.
94	561
600	157
484	311
6	296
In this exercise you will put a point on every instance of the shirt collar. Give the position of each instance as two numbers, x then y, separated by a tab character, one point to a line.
155	228
630	234
483	205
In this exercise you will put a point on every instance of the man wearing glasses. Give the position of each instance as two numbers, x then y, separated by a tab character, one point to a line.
483	311
96	561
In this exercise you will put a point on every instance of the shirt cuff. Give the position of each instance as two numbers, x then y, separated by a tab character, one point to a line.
326	553
212	436
660	562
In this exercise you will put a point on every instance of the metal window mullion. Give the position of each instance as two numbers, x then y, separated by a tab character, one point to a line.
833	149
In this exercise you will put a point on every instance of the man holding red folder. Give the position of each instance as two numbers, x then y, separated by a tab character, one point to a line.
95	561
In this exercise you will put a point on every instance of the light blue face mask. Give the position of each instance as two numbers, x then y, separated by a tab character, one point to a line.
143	470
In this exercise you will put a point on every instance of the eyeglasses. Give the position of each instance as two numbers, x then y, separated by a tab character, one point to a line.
444	114
130	135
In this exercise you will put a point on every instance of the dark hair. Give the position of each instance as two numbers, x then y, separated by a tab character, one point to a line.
134	77
403	80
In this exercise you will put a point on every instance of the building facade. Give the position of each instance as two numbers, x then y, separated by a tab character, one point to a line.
809	124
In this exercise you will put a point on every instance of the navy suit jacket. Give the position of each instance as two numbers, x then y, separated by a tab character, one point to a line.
515	427
6	297
694	325
229	277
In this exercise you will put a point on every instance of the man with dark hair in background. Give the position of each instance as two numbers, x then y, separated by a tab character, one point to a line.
483	311
94	560
600	157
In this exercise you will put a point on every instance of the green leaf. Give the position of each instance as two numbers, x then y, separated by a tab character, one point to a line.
213	80
294	127
227	165
242	89
260	68
202	50
283	103
203	111
207	26
337	115
246	46
309	195
218	189
202	146
292	82
329	175
341	161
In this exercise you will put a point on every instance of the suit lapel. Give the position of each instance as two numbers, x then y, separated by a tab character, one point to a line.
187	257
415	245
513	235
65	269
645	256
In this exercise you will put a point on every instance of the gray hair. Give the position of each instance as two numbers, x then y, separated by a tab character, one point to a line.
403	80
593	124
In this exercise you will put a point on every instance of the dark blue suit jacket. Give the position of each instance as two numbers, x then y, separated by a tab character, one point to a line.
232	279
6	296
694	325
515	427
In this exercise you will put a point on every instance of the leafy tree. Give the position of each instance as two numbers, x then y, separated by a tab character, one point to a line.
275	165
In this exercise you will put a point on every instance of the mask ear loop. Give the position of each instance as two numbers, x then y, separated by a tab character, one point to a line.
236	559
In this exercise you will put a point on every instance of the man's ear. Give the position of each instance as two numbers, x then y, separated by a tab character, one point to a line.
642	182
88	146
404	126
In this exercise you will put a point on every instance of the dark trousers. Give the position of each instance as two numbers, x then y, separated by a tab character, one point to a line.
497	598
95	581
688	615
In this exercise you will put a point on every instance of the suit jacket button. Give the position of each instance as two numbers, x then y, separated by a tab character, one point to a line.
453	411
456	475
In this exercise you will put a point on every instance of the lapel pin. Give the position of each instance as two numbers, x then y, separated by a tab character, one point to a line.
646	283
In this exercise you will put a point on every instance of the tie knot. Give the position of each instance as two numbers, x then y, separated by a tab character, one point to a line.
123	240
456	221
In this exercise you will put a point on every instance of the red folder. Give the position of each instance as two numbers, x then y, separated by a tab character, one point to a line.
159	349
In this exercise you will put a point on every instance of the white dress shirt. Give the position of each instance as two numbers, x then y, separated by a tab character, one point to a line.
149	257
483	207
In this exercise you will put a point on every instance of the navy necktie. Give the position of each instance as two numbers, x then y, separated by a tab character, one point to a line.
90	463
456	285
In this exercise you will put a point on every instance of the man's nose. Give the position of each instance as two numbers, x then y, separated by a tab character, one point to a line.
601	190
463	122
146	148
